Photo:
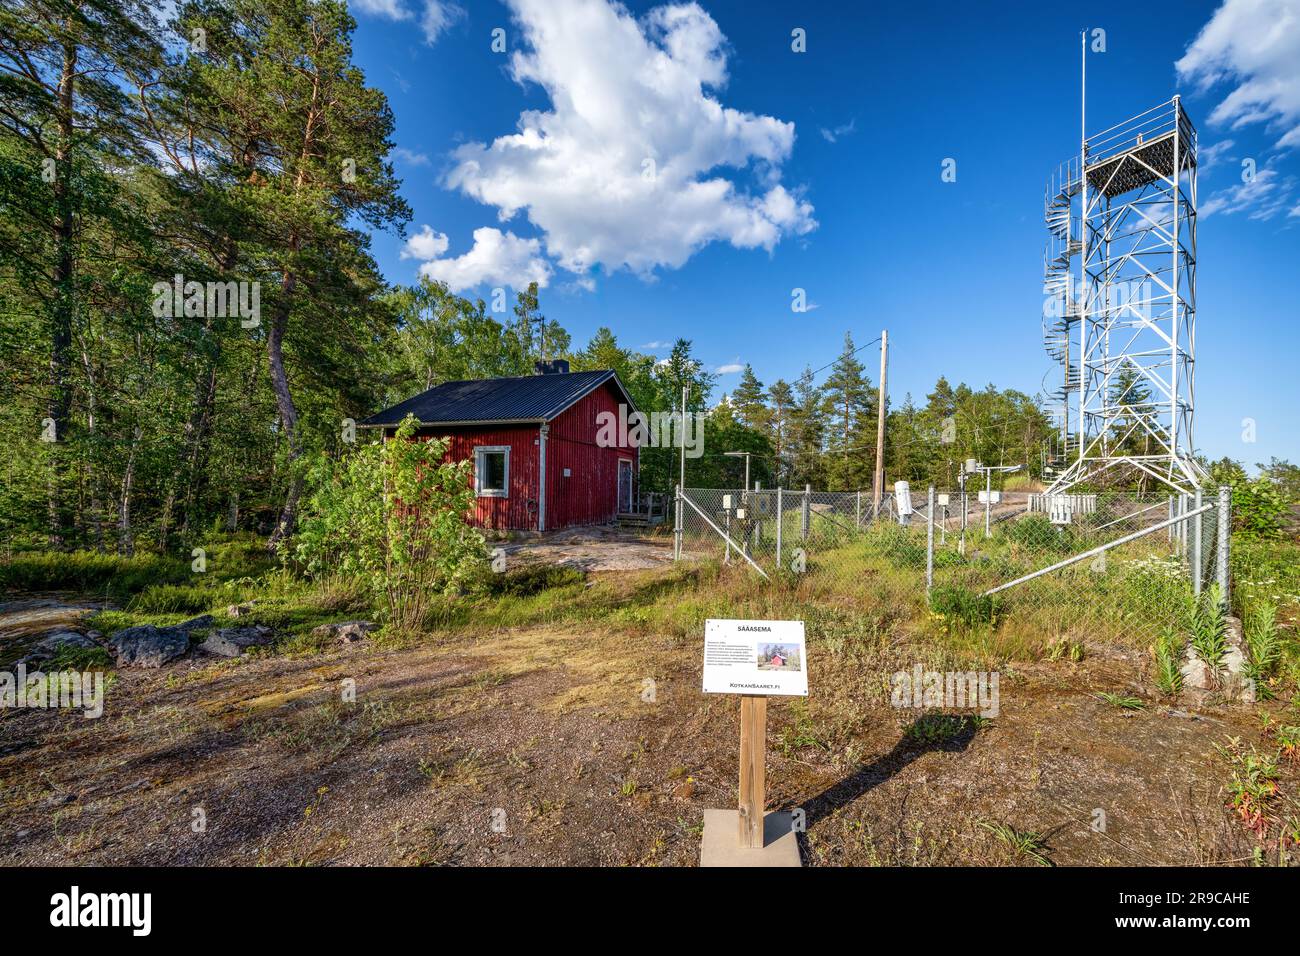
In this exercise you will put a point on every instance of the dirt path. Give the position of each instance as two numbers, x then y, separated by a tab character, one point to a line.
552	746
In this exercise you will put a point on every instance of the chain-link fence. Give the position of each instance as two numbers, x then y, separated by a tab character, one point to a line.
1112	564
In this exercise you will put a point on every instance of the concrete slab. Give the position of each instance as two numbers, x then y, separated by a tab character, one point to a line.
721	843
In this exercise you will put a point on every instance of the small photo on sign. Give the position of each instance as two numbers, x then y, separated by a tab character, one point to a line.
779	657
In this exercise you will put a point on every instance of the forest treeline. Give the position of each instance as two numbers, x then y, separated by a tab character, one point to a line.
190	312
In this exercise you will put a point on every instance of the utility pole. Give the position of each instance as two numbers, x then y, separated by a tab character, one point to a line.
880	427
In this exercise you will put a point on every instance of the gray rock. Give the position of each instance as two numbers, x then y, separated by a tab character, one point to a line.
233	641
45	650
346	632
196	623
239	610
148	646
1231	682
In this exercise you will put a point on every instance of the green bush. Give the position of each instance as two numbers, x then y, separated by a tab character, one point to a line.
1036	532
958	604
393	515
1259	509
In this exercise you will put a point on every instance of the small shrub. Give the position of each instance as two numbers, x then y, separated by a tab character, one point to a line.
1168	653
1208	630
392	514
1263	640
1033	532
959	604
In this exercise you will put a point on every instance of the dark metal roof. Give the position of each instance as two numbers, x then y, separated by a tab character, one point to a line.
527	398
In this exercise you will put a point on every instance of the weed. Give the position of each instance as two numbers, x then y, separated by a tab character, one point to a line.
1123	702
1168	653
1027	843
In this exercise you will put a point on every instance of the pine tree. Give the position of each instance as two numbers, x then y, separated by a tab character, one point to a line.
747	400
807	432
851	430
781	399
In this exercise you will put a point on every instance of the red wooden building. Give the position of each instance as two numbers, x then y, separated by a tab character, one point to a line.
533	439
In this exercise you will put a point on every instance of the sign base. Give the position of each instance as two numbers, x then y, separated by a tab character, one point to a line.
721	846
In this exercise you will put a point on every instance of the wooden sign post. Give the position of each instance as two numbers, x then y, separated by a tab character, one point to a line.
753	769
754	660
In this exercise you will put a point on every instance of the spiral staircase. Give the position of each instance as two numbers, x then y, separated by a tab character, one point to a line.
1061	310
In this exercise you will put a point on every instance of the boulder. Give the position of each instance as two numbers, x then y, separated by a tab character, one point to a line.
1231	683
233	641
345	632
239	610
46	649
196	623
148	646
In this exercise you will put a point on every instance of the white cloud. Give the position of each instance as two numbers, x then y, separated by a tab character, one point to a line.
626	169
439	15
410	157
496	259
730	369
1207	156
657	345
436	17
388	9
1254	44
1263	198
425	244
833	135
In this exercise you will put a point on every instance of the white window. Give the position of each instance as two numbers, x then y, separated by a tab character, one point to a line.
492	471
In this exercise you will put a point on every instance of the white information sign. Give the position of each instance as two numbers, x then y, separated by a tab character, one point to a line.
755	657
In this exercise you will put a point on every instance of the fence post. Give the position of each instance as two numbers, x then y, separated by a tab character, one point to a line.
779	519
929	545
807	512
857	514
1197	567
1224	527
677	526
1171	518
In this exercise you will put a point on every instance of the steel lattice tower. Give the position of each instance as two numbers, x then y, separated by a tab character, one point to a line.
1120	313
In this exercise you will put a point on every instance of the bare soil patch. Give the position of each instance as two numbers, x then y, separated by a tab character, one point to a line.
557	745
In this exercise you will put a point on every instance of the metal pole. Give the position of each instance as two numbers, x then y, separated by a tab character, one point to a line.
857	514
726	525
1196	547
778	525
677	525
1087	554
929	546
988	499
1224	519
880	422
807	514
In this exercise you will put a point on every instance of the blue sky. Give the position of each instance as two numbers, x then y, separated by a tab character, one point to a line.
821	171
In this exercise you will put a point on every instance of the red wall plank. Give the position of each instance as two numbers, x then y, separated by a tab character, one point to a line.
518	511
590	494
